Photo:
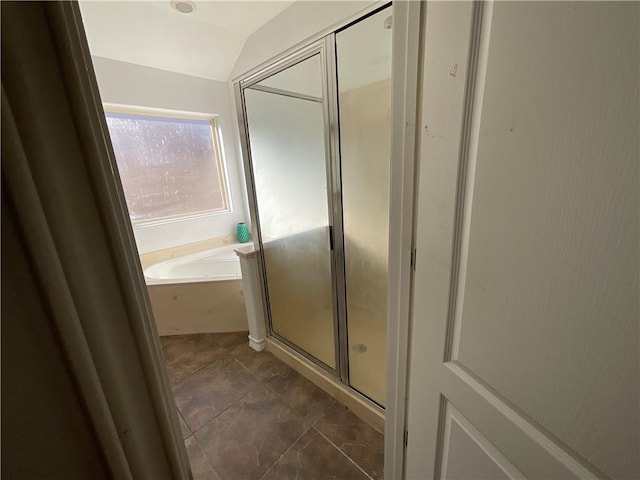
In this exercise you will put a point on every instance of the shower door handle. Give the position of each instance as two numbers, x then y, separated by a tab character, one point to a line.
330	237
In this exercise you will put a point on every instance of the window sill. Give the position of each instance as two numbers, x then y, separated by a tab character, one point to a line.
185	218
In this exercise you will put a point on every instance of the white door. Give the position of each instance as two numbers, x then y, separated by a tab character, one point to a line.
525	330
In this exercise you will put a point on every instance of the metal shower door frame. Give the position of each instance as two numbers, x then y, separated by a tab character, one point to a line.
325	48
324	43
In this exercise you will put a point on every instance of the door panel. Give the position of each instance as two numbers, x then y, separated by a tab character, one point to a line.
525	344
467	454
286	124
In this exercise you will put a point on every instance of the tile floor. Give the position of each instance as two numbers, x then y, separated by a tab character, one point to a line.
247	416
366	366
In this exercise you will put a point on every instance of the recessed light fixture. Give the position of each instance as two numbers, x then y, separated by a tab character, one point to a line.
183	6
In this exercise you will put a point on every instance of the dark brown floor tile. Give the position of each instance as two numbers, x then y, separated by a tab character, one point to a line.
231	339
186	354
274	373
200	466
262	364
357	439
167	340
192	343
247	438
313	457
300	394
307	400
247	356
206	393
183	427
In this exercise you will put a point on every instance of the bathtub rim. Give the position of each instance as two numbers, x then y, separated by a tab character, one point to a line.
154	281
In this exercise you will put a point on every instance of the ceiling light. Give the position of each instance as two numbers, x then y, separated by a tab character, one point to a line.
183	6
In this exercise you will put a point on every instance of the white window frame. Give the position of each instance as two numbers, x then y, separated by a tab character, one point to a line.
218	147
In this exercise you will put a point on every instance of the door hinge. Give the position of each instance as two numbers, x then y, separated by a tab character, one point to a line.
414	252
331	237
406	437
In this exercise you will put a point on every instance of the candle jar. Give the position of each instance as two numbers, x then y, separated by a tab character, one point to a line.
243	232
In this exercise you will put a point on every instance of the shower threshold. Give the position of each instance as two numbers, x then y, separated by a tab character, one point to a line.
364	408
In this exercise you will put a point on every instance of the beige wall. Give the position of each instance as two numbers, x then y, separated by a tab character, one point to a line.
365	130
136	85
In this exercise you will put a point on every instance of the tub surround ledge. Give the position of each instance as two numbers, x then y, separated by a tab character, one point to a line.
150	258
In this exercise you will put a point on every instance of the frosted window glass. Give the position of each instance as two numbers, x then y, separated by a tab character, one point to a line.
169	167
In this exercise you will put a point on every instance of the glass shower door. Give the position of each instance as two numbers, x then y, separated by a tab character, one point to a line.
363	52
285	116
318	128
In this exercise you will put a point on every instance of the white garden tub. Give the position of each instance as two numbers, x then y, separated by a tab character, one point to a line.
198	293
207	266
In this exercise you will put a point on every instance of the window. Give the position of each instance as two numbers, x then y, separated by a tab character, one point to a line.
169	167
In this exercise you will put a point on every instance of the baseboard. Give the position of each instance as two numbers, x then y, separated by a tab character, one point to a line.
257	345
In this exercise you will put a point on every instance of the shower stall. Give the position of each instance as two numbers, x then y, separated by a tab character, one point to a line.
316	127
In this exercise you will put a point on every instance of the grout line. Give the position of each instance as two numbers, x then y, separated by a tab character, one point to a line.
280	397
258	379
307	427
205	456
277	395
260	382
207	365
286	450
183	420
313	420
246	368
193	434
231	405
222	411
343	453
201	368
230	347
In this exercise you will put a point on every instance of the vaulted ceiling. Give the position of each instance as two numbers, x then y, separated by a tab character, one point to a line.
204	43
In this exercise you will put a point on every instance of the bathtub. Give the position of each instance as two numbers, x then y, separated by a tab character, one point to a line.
198	293
207	266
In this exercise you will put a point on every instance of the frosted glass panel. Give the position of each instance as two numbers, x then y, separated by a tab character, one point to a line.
168	166
286	137
364	81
